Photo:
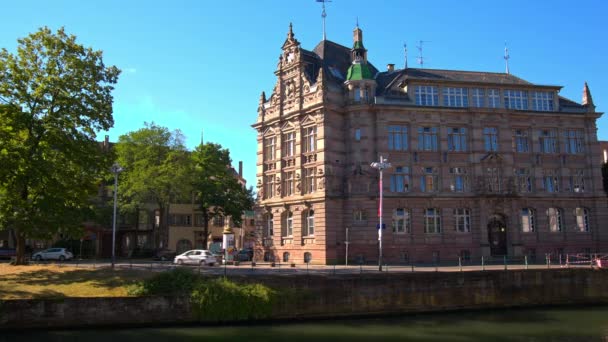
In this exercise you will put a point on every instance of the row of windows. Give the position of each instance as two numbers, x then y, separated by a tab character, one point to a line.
186	220
290	185
481	97
308	226
288	140
400	180
402	221
548	142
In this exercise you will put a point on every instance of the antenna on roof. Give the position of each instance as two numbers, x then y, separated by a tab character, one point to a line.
420	57
323	15
506	57
405	53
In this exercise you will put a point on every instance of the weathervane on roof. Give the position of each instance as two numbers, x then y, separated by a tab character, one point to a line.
506	57
405	53
323	15
420	57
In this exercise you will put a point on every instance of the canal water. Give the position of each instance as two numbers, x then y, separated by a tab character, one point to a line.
548	324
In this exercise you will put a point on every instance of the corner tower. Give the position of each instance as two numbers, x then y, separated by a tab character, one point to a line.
359	77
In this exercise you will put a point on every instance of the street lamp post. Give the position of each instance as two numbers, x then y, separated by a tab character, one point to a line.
380	165
116	169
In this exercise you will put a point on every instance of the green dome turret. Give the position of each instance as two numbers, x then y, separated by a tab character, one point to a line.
359	71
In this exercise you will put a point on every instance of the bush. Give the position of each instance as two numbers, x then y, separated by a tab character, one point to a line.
224	300
178	282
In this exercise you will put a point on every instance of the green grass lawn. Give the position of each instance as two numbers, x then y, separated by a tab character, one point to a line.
53	281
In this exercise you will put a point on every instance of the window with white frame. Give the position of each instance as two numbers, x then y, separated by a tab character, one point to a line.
401	221
582	219
542	101
288	231
309	139
490	138
400	180
432	221
288	183
575	142
289	144
427	96
427	138
555	219
520	141
359	215
397	138
455	97
516	99
310	180
429	180
309	222
547	140
269	225
270	148
457	139
551	180
459	179
528	222
577	180
493	179
462	219
493	98
523	180
269	186
477	97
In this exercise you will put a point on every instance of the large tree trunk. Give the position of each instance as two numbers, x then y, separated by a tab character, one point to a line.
20	248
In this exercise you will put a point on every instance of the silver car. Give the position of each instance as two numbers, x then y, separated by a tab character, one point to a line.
195	257
60	254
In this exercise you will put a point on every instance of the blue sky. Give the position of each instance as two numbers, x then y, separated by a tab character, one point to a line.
201	65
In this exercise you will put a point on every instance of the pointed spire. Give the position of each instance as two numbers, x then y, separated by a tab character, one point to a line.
290	34
263	97
587	99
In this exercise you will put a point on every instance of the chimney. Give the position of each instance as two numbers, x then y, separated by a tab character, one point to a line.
390	67
241	168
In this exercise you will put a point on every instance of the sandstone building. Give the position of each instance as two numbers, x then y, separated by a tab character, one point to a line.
483	164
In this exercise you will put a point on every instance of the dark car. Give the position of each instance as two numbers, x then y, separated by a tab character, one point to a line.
7	253
164	255
244	255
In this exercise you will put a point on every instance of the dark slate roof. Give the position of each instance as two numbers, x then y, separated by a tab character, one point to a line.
336	56
463	76
569	105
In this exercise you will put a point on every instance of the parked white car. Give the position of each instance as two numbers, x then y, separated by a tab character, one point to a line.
195	257
60	254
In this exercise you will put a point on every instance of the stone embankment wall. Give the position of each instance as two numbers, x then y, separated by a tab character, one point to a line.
332	296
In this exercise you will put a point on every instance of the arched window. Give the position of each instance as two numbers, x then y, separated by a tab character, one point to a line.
309	222
286	257
432	221
269	225
528	220
307	257
183	245
555	219
401	221
582	219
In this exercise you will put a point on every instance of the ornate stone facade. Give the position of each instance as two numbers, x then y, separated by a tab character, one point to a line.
483	164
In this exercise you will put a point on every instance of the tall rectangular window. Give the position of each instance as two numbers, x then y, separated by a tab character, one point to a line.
432	221
577	180
397	138
516	99
459	179
490	138
477	97
400	180
551	181
427	138
548	141
574	141
493	179
542	101
289	144
493	98
427	96
554	216
309	139
457	139
310	180
523	180
269	186
429	180
270	148
520	141
582	219
288	183
357	93
462	219
528	221
401	221
455	97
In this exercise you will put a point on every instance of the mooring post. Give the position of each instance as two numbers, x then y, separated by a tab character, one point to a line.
483	266
505	261
460	264
526	261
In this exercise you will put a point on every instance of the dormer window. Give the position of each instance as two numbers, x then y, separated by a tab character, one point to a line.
516	99
542	101
427	96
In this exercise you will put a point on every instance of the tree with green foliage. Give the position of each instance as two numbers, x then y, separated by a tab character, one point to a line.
157	169
55	95
217	189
